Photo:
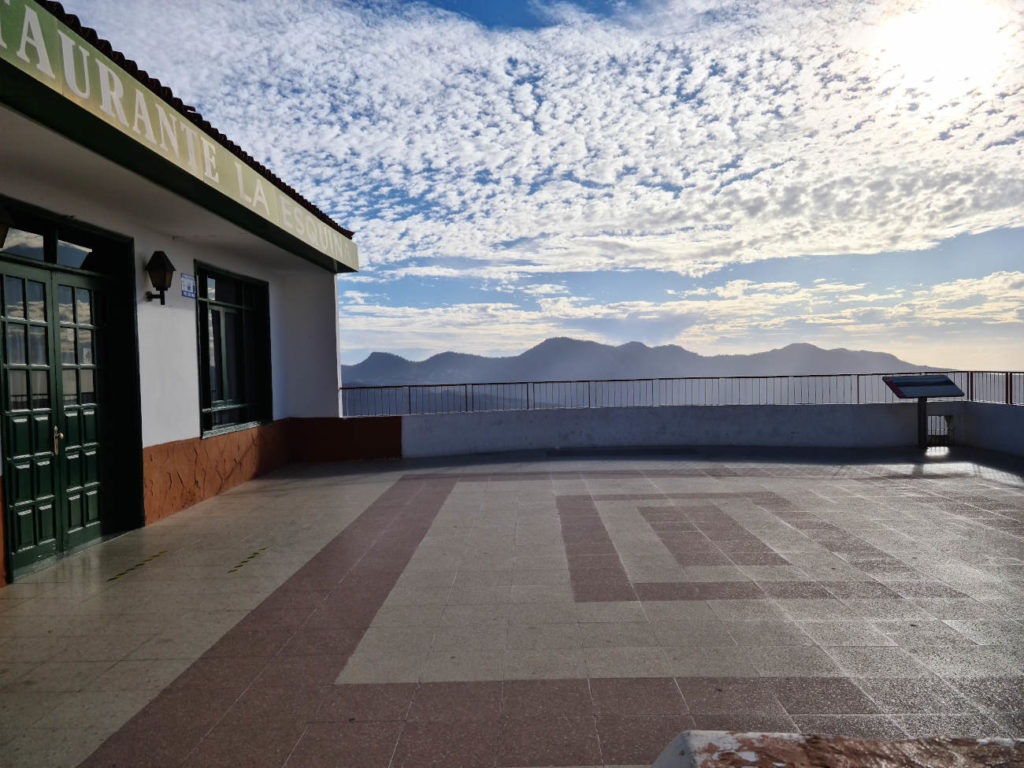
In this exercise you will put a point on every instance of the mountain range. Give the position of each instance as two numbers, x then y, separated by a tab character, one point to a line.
573	359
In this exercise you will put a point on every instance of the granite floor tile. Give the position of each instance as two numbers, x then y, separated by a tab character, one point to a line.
543	636
694	613
629	740
963	609
749	610
845	633
491	636
817	610
346	745
917	695
994	694
556	740
967	661
366	703
886	609
745	722
878	662
258	642
456	701
300	671
617	635
852	726
544	664
678	634
793	661
463	665
630	697
698	661
386	639
383	667
627	662
771	633
1011	723
166	731
921	632
533	614
794	590
969	726
448	744
19	711
616	611
258	742
61	677
139	675
536	698
48	746
823	696
439	589
989	631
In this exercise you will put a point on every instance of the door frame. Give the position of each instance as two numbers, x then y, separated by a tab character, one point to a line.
121	457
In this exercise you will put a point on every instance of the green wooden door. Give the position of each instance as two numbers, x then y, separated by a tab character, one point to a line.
50	377
78	306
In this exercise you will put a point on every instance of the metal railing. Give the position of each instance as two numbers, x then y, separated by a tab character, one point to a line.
818	389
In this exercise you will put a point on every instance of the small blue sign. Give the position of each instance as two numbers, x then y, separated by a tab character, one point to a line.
188	286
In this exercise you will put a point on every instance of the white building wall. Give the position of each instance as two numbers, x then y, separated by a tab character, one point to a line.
309	322
303	317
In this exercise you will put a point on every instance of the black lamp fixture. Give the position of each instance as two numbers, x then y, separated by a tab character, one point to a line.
6	222
161	273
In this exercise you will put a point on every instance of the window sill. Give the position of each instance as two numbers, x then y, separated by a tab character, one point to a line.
227	428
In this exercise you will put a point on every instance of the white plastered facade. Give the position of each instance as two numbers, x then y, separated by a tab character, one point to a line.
40	167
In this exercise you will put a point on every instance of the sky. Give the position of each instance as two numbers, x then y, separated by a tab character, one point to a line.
726	176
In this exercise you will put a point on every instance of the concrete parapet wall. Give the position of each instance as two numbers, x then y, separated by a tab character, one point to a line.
742	425
993	427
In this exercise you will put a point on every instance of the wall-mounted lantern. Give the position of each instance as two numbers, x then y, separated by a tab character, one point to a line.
161	273
6	222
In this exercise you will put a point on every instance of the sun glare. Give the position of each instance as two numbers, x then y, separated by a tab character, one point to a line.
946	47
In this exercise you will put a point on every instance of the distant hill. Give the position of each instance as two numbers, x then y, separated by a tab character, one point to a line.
562	359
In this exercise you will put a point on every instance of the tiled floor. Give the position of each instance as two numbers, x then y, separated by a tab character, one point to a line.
560	611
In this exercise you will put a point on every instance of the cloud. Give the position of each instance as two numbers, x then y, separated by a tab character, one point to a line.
687	136
356	297
543	289
726	316
681	136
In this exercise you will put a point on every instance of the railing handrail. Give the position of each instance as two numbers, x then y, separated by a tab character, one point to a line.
674	378
771	389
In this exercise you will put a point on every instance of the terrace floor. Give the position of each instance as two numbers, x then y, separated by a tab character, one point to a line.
538	611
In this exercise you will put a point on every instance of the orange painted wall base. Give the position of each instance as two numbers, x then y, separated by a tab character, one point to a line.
179	474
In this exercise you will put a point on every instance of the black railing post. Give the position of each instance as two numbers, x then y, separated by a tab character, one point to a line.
1009	388
922	422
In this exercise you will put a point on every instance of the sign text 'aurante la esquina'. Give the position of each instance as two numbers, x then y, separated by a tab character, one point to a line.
35	42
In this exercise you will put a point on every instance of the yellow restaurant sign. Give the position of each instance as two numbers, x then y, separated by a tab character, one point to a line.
38	44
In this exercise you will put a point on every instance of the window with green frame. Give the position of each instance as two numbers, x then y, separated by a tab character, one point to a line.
233	315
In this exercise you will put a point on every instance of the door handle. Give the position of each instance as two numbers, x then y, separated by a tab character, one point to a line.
57	437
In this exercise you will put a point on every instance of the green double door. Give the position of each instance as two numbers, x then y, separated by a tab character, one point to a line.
52	336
